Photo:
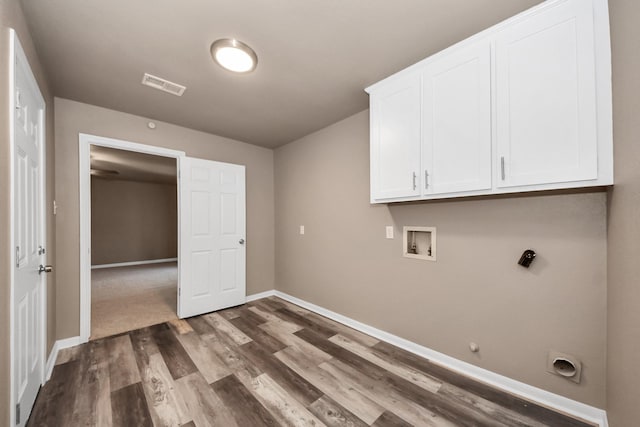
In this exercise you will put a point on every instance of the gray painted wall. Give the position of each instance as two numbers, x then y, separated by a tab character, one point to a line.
623	313
132	221
474	292
74	117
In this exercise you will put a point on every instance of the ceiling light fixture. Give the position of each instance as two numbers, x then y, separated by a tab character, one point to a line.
234	55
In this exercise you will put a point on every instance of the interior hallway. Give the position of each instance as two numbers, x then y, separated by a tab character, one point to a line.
128	298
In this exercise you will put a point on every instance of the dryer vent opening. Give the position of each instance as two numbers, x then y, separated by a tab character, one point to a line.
564	365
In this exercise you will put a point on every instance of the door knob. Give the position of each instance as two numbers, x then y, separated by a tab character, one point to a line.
241	241
45	269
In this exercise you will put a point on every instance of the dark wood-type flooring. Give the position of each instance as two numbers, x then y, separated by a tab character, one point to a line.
266	363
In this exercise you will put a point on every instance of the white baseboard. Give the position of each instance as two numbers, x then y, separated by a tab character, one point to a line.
51	362
130	263
261	295
53	356
526	391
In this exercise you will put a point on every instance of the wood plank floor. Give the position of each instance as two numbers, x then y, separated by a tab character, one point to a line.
266	363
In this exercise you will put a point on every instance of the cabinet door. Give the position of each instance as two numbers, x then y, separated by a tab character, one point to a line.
546	98
395	139
456	152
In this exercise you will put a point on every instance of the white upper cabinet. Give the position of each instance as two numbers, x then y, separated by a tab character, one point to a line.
456	117
395	136
522	106
546	97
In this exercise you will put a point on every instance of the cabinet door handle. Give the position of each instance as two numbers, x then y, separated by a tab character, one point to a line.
414	180
426	179
502	168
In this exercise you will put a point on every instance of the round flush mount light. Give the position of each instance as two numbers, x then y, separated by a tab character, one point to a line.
234	55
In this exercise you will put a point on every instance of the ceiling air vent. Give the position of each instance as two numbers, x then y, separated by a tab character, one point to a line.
163	85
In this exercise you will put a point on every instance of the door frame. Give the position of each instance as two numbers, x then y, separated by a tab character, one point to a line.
85	143
17	54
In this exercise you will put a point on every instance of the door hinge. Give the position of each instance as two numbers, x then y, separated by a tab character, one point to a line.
17	414
17	256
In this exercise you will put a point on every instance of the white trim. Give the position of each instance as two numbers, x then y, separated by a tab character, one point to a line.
130	263
526	391
68	342
265	294
53	356
85	141
51	361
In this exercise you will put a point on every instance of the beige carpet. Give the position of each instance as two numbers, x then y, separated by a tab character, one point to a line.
128	298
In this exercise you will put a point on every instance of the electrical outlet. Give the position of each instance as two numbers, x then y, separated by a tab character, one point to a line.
389	231
302	229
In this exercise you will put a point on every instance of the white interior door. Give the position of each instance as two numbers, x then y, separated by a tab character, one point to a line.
28	237
212	250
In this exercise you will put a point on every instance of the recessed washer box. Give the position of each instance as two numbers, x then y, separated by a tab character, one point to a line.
419	242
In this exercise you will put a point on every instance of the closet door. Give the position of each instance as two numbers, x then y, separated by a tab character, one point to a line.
546	97
395	139
456	153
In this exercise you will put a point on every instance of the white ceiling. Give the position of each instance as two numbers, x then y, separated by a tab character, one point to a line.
315	56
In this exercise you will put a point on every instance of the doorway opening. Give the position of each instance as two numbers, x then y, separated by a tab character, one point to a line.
134	240
127	278
211	236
